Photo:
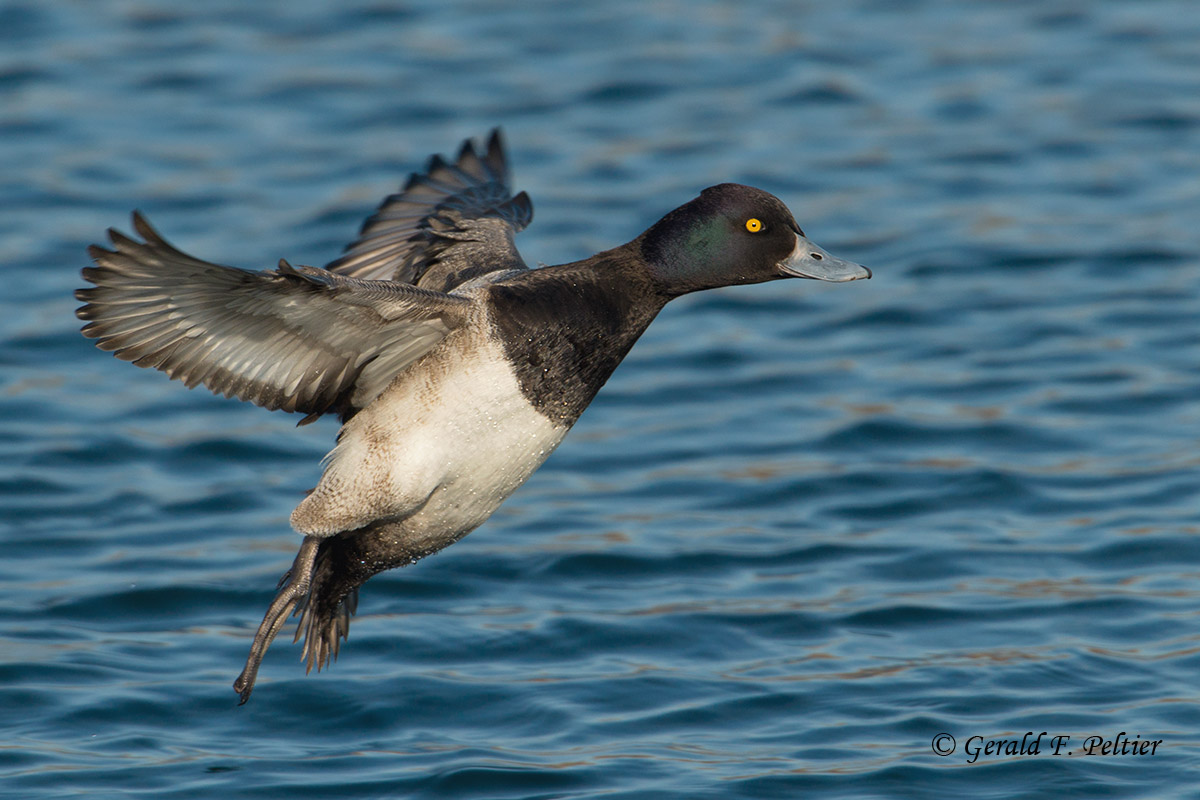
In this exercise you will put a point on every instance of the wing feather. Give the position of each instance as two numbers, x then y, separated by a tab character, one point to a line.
404	240
293	338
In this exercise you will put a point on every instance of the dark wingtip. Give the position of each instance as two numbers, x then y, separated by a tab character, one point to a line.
436	162
467	147
409	182
495	157
143	227
519	211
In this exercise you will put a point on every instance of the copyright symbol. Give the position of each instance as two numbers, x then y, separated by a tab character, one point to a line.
943	744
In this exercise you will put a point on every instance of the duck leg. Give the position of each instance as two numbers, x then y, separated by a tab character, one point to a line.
293	587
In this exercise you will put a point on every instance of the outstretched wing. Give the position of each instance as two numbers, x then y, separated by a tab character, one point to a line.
295	338
450	224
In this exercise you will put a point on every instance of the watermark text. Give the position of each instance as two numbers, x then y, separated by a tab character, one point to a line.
1044	743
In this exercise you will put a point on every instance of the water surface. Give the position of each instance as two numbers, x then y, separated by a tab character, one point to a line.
804	530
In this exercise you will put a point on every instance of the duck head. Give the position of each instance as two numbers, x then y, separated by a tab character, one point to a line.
733	234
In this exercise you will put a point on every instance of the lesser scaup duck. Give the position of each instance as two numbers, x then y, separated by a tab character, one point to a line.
455	369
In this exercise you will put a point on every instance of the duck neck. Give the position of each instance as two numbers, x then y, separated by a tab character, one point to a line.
566	328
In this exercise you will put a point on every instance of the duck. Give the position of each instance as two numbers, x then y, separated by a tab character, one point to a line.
454	368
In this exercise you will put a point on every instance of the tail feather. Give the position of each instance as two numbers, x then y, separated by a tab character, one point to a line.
324	623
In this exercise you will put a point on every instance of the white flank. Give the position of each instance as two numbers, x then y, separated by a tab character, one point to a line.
437	452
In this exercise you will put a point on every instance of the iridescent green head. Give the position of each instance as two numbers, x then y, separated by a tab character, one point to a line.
733	234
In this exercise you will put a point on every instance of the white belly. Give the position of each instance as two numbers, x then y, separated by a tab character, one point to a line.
438	451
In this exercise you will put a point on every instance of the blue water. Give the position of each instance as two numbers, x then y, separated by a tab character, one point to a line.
804	530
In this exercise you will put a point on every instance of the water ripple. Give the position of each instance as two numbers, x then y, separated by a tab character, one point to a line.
803	530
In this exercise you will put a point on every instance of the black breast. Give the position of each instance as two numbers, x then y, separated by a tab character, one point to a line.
566	328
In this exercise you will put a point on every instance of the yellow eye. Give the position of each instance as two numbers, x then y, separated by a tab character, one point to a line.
753	225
